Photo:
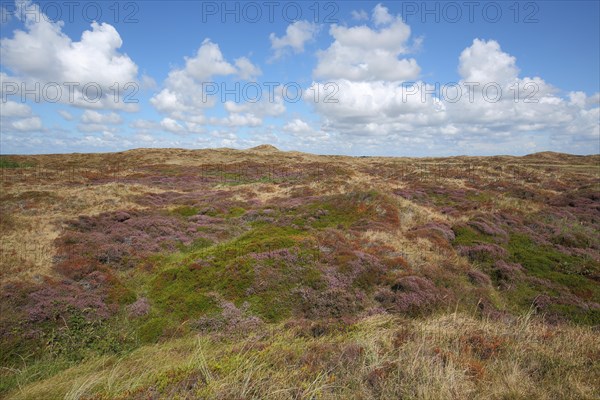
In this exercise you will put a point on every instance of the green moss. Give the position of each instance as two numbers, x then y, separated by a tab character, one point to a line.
6	162
441	199
576	314
197	244
271	306
549	263
343	211
235	212
467	236
120	294
152	330
184	211
179	292
560	269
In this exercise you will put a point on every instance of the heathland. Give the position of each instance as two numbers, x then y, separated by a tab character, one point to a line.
263	274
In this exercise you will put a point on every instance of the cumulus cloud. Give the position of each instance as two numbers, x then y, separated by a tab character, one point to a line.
18	117
485	62
360	15
305	135
94	121
185	88
490	109
296	36
381	16
247	70
297	126
44	53
171	125
189	91
27	124
94	117
14	109
66	115
361	53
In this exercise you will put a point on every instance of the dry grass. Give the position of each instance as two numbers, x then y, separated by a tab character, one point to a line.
38	212
453	356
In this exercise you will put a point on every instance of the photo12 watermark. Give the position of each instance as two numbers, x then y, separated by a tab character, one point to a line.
472	92
112	12
518	12
68	92
254	92
269	11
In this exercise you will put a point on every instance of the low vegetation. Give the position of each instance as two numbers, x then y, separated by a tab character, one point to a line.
219	274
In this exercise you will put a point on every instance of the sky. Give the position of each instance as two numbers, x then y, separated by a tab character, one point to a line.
397	78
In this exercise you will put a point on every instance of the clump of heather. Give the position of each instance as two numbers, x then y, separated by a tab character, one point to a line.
443	229
411	294
483	252
55	300
120	239
231	319
488	227
506	272
479	278
139	308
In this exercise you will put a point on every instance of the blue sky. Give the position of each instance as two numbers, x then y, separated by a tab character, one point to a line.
393	78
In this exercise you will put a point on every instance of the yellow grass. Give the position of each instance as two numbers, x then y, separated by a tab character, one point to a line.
453	356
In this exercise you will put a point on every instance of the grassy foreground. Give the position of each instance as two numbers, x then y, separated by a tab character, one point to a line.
453	356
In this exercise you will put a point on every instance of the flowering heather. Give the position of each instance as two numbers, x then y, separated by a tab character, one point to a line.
410	294
119	239
479	278
487	227
51	302
139	308
248	275
506	271
483	252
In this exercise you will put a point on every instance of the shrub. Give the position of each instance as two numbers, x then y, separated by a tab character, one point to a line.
484	253
139	308
479	278
410	294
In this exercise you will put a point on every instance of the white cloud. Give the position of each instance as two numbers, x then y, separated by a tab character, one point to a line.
185	90
94	121
305	136
186	94
92	127
167	101
381	16
13	109
297	126
207	62
360	15
66	115
143	124
296	36
171	125
247	70
236	120
485	62
360	53
386	114
27	124
43	53
94	117
262	108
